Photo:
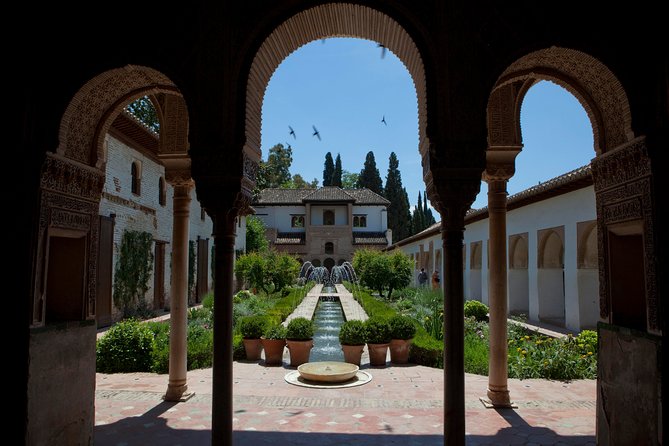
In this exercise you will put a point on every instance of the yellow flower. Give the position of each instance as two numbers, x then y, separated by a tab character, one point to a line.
589	353
527	337
538	342
524	352
518	349
545	362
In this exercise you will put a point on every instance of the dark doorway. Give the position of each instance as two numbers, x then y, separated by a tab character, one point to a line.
628	288
103	307
66	275
159	276
329	263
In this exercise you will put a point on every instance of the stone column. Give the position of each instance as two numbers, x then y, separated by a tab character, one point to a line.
177	386
456	196
498	392
224	246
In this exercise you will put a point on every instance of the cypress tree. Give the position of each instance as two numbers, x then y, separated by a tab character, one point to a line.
336	175
328	170
398	209
370	176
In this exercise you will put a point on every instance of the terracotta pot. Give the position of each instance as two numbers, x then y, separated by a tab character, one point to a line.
273	350
253	349
399	350
299	351
377	354
352	353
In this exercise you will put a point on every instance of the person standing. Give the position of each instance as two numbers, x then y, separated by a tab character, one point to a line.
422	277
435	280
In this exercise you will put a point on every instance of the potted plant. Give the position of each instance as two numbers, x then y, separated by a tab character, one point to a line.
377	333
352	340
299	336
273	342
402	331
252	328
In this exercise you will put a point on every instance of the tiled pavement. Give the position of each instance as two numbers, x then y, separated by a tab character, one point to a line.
402	405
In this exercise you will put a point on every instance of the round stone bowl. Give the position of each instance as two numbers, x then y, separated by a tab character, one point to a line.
328	371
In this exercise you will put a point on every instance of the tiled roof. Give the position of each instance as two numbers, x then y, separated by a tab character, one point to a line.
369	238
290	238
366	196
327	193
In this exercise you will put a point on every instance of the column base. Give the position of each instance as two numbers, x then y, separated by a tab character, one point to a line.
498	399
177	393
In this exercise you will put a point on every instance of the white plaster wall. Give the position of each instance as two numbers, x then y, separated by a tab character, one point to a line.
518	291
551	298
341	214
588	291
474	285
571	298
143	212
376	218
240	240
279	217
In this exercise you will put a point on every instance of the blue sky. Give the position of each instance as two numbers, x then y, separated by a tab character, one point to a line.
344	88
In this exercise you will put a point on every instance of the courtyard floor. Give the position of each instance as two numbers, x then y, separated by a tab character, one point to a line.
402	405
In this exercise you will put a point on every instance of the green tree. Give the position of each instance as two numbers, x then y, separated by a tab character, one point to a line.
282	269
336	175
349	180
255	235
370	176
252	268
380	271
276	170
399	217
400	273
328	170
144	110
269	270
297	182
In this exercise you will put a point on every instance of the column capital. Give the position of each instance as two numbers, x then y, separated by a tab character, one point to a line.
501	162
452	192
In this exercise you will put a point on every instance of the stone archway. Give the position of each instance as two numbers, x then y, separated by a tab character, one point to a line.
550	276
71	186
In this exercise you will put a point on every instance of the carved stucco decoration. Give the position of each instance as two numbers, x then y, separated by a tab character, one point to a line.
622	182
330	20
62	175
94	107
174	124
590	81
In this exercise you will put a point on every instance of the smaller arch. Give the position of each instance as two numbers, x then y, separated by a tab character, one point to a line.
136	177
316	262
340	262
162	191
551	249
518	251
329	248
587	249
476	255
329	263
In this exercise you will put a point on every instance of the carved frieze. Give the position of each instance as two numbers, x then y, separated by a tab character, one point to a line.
62	175
624	164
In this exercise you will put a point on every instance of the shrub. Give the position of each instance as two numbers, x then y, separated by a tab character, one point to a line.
587	338
474	308
242	296
377	330
275	331
126	347
300	329
160	358
238	350
200	347
208	301
203	316
352	333
401	327
252	327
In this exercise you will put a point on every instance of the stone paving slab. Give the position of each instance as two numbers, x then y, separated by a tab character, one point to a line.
402	405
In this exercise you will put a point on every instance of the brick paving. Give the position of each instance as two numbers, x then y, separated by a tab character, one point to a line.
402	405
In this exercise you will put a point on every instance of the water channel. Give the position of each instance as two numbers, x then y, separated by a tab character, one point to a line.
328	317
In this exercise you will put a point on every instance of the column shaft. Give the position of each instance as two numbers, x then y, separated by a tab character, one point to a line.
177	385
454	368
498	392
224	246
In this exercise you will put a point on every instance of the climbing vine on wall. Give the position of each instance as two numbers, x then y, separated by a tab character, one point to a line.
133	270
191	270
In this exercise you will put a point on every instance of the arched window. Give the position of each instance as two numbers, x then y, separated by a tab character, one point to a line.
328	218
136	178
329	248
162	191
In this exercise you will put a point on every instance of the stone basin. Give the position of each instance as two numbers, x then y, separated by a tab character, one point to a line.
328	371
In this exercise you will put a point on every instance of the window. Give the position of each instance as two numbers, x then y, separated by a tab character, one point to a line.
136	178
328	218
162	191
360	221
297	221
203	214
329	248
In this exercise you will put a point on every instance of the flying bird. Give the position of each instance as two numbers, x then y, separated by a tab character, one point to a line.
289	146
316	133
383	49
384	120
292	132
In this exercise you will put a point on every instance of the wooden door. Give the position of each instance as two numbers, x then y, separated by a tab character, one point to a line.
202	285
159	276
